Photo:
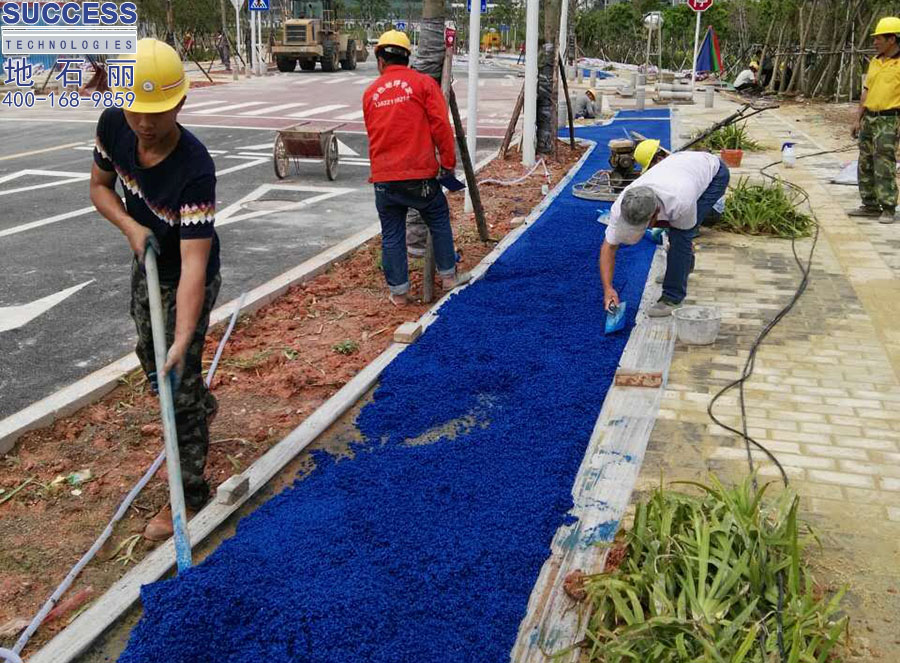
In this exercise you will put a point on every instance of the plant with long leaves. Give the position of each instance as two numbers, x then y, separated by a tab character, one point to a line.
699	583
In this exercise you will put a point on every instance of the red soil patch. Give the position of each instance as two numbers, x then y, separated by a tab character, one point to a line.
278	367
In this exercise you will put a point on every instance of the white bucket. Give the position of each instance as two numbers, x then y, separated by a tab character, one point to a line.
697	325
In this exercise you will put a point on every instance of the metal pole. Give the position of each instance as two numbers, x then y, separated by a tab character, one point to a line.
252	40
472	99
696	48
529	128
563	31
259	38
167	410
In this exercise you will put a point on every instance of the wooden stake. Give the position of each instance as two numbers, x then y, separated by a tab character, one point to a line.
562	73
513	121
480	221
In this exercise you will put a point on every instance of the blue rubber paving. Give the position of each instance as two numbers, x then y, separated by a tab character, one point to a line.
428	552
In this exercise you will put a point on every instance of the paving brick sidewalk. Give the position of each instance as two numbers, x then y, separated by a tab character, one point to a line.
826	389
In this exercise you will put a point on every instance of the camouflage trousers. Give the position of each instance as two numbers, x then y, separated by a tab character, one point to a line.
877	170
194	405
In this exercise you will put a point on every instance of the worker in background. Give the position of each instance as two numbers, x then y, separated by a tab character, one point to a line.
585	105
877	126
169	184
224	49
746	80
680	189
406	120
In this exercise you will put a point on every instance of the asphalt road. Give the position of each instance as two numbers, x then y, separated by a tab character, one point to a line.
51	240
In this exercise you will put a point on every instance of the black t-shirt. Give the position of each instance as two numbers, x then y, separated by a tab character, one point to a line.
175	199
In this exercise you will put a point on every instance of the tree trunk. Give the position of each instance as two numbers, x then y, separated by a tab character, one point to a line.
547	82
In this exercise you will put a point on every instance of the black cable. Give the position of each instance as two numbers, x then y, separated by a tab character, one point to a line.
749	365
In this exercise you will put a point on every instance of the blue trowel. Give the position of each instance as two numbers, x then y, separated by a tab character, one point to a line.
615	318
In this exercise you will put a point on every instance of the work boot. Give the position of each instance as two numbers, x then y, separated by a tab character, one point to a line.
662	308
451	282
887	216
865	212
160	526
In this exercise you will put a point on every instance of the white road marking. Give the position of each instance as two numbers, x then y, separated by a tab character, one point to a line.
346	150
318	111
13	317
364	81
338	79
255	161
259	146
44	222
303	82
33	152
234	212
355	115
273	109
67	178
201	104
230	107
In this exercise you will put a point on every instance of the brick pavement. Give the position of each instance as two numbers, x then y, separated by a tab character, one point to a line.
826	388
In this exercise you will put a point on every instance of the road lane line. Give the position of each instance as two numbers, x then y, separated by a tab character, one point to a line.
230	107
200	104
42	151
338	79
272	109
318	111
355	115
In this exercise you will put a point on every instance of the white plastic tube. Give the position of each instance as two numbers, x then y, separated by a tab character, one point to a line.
529	129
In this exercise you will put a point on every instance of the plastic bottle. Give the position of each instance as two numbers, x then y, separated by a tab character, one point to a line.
788	156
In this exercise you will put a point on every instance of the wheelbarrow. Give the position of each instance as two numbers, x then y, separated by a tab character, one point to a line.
304	141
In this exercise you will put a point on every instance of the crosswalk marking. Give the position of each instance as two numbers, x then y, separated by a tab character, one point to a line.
318	111
200	104
229	107
364	81
268	110
303	81
355	115
338	79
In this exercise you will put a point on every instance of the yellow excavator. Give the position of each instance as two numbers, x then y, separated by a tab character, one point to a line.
310	34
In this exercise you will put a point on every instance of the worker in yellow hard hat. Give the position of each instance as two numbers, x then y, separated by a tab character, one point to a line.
412	155
679	189
877	125
746	81
169	184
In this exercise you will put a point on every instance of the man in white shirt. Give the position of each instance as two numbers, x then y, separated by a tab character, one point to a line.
679	188
746	80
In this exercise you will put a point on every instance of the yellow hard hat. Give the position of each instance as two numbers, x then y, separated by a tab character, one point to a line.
393	39
889	25
159	80
592	93
645	151
754	64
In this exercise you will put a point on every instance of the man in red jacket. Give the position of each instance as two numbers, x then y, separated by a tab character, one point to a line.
406	119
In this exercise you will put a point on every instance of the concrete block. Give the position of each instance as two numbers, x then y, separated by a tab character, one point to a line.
407	332
233	489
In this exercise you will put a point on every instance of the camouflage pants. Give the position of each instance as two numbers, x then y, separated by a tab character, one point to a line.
193	402
877	171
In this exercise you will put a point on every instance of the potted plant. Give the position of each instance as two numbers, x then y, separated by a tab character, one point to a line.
733	140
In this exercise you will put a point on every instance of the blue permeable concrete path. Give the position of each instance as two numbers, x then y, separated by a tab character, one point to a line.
427	552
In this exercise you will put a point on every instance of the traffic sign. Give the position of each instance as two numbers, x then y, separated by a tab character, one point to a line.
700	5
483	6
237	4
449	37
504	28
400	25
258	5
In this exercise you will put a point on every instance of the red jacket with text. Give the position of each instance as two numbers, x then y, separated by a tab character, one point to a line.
406	119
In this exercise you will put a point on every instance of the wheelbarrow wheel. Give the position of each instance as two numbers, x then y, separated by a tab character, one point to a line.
331	158
280	157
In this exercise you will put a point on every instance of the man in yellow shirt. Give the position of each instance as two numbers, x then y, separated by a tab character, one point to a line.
878	126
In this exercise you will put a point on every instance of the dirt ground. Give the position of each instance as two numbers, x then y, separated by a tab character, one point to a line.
279	365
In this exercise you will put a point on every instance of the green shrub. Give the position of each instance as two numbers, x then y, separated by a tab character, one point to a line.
699	583
732	137
767	208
